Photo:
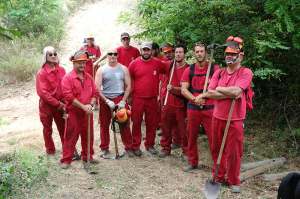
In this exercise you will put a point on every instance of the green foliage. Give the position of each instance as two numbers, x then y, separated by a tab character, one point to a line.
33	17
270	29
20	171
30	25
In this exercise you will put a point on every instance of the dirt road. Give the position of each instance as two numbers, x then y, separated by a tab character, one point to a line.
146	177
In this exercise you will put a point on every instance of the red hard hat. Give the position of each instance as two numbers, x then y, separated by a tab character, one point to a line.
80	55
234	44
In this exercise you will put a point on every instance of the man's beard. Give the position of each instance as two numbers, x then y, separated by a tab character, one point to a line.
146	57
200	59
179	61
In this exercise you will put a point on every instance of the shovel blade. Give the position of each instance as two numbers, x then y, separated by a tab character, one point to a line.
211	189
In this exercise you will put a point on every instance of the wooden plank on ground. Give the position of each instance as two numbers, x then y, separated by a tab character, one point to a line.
261	169
252	165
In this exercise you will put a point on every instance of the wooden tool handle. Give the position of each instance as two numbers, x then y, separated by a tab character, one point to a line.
226	131
170	79
208	71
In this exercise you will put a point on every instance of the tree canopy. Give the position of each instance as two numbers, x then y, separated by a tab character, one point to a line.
270	29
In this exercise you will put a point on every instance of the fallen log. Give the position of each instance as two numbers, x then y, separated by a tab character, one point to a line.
252	165
261	169
276	176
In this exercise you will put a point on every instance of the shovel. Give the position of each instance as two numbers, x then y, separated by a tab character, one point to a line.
113	127
212	188
117	156
87	165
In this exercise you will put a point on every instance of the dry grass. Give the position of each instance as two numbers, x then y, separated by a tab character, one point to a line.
18	60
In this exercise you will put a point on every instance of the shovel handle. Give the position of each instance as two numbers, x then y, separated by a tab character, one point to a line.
208	70
88	139
115	138
170	80
225	133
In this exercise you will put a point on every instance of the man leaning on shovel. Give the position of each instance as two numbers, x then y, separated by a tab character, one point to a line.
79	91
229	87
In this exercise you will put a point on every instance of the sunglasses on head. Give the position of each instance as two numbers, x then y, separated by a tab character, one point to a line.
52	54
110	54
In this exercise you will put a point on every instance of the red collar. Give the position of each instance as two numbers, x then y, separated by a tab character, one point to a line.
74	75
49	69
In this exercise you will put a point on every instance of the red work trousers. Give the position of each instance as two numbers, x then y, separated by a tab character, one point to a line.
140	106
195	119
105	121
173	118
47	115
233	151
176	135
77	125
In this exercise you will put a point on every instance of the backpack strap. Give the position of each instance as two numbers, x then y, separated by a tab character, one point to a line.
192	73
212	70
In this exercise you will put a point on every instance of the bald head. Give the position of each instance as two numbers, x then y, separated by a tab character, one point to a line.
112	56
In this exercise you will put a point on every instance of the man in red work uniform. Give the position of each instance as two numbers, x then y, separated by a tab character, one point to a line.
94	53
51	105
144	72
168	57
126	52
232	82
80	93
192	85
114	86
174	112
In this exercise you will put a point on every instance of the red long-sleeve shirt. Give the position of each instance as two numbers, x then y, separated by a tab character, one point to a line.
75	88
48	84
96	52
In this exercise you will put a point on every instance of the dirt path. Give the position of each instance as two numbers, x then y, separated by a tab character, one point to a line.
145	177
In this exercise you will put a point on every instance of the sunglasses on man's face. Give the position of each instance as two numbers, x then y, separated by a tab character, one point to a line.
52	54
111	54
146	49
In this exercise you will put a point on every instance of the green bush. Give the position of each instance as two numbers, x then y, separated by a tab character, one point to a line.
271	31
34	17
38	23
20	171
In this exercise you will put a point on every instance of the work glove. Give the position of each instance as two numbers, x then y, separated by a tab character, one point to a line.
110	103
61	106
121	104
169	87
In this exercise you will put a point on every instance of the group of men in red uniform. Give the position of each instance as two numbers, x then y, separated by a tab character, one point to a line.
164	90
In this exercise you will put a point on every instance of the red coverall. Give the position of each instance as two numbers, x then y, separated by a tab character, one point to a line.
233	151
105	120
77	122
176	138
94	51
127	55
145	80
195	115
174	114
48	86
